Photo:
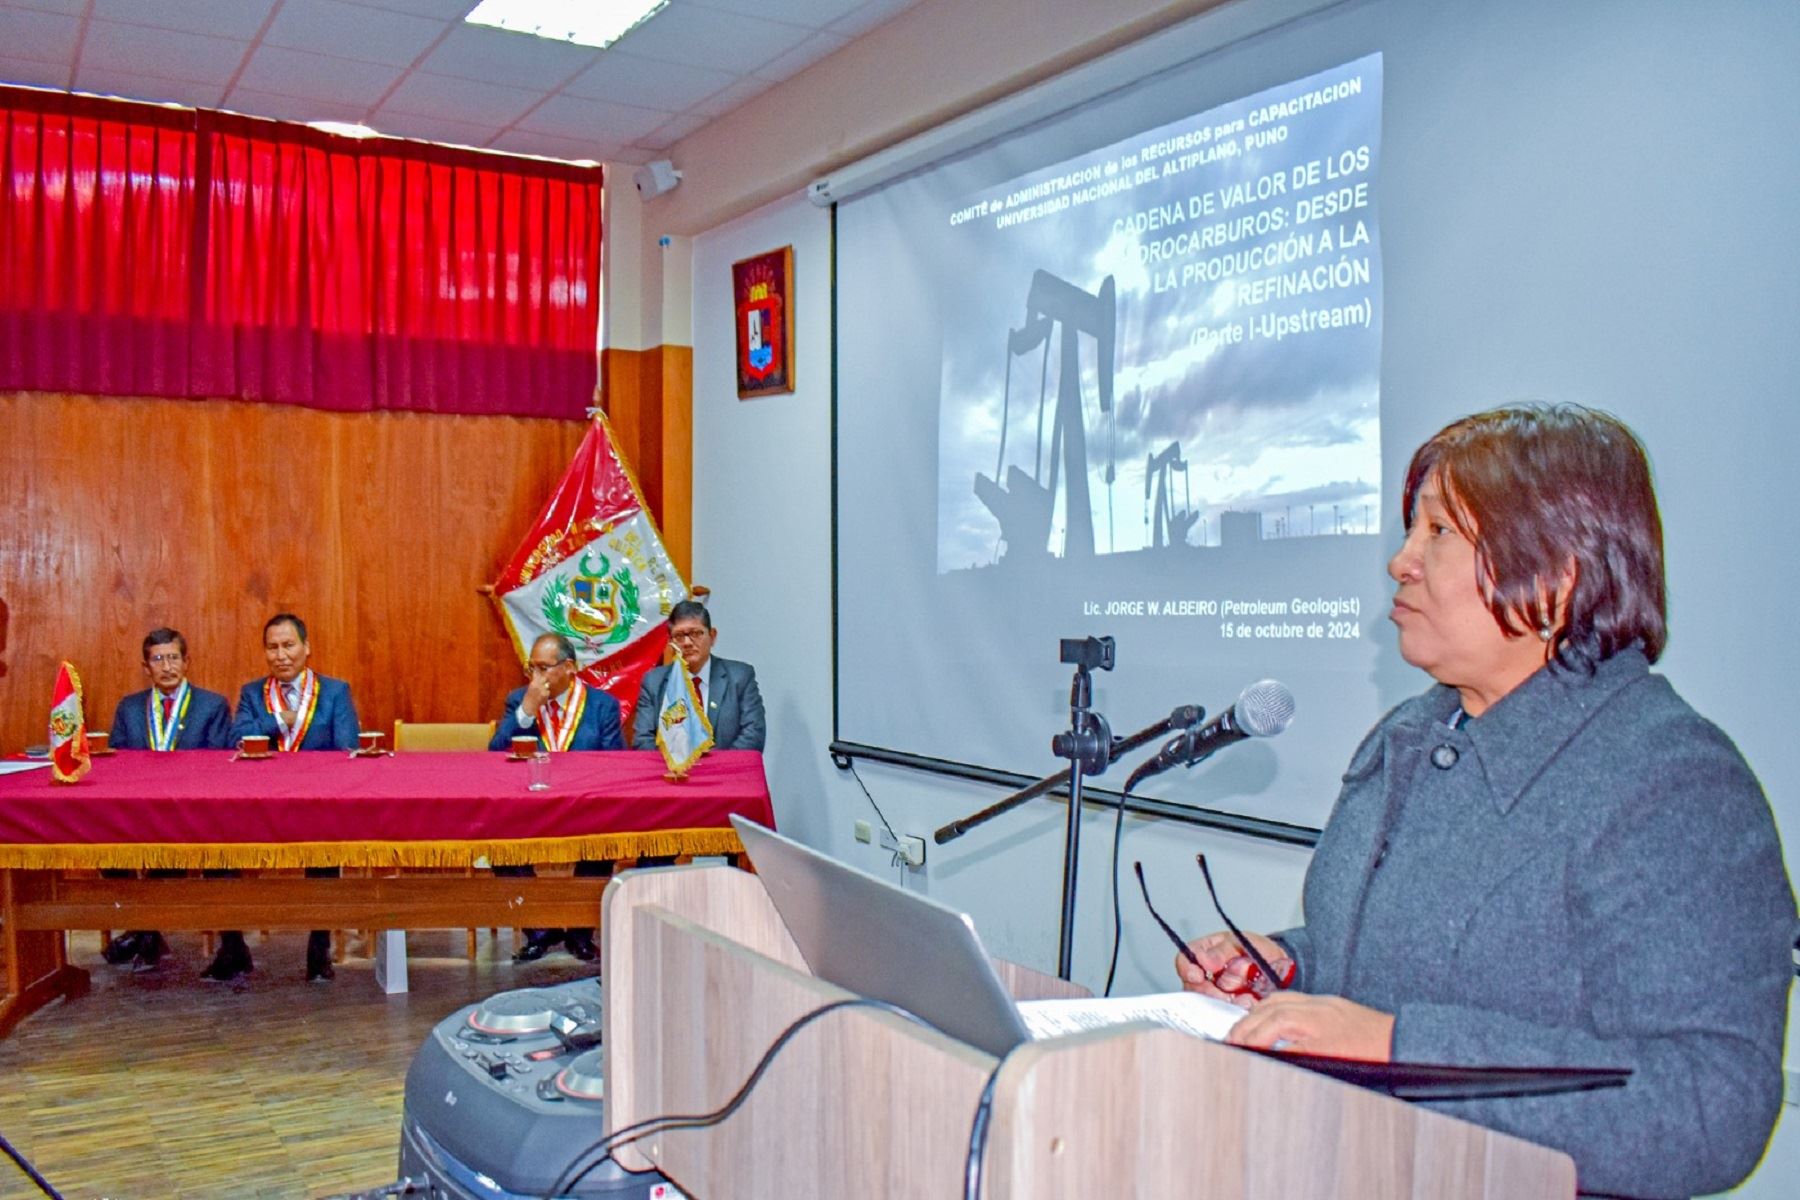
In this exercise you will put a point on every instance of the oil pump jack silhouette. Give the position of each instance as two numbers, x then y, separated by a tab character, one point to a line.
1025	503
1166	524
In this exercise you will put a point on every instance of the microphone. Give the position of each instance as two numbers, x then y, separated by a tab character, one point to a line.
1263	709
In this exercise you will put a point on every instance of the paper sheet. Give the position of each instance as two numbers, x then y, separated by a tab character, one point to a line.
1201	1016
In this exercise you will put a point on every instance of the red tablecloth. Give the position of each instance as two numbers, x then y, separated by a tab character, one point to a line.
203	809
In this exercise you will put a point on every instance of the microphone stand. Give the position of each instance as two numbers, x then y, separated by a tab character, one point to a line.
1089	746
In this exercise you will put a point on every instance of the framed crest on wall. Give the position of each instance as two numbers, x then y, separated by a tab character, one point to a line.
762	302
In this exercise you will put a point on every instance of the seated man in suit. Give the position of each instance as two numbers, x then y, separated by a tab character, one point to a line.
170	714
296	708
563	713
728	688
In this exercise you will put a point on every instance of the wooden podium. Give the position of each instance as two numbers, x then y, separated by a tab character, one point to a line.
701	978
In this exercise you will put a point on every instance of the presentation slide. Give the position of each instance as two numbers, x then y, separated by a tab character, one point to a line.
1131	389
1191	320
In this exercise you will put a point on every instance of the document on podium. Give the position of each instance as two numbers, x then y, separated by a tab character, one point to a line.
1206	1017
1189	1012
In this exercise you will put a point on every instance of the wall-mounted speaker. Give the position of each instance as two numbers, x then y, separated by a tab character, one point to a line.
653	179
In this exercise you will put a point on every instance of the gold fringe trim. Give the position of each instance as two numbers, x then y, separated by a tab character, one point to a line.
211	855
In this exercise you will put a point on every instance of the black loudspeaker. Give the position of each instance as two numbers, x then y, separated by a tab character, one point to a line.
504	1095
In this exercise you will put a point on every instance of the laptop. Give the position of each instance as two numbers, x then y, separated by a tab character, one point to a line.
869	937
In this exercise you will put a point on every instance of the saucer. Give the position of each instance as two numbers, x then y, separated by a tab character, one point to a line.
361	753
249	757
520	757
101	753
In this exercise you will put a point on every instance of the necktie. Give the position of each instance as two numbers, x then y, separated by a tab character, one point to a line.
168	709
287	696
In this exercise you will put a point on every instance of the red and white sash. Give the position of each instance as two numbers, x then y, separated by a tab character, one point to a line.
560	727
304	707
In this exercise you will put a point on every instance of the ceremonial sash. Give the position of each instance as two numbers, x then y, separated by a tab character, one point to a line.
164	732
559	730
293	735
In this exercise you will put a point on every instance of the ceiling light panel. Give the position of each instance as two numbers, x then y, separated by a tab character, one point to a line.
597	23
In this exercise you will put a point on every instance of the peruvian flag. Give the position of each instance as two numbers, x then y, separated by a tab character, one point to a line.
68	731
593	569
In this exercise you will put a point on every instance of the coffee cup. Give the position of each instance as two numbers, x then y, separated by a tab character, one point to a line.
96	742
370	741
524	746
256	743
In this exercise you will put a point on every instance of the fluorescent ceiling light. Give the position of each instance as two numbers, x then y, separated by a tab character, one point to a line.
586	23
345	129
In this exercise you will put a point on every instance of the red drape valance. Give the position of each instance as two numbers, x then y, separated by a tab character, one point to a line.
174	252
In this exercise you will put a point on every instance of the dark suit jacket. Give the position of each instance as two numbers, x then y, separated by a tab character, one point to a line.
599	728
207	725
733	705
333	726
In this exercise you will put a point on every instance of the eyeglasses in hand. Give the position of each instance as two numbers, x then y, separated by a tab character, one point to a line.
1260	979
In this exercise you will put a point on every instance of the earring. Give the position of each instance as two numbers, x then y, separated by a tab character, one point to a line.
1545	633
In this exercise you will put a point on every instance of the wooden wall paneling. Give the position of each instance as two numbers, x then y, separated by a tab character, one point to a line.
676	453
649	399
210	516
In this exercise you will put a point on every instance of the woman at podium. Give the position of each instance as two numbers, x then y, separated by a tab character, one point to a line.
1548	858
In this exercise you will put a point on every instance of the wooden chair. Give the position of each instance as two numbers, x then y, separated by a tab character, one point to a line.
418	736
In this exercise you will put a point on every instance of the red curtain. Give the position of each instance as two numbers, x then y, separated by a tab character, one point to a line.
205	254
96	249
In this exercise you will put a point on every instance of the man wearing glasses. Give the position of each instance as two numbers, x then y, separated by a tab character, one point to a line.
733	703
171	714
564	714
556	707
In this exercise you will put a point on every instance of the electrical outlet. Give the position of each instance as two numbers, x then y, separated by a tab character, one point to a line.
912	851
863	832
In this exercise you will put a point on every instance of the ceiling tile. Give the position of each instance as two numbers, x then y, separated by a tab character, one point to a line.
352	31
573	117
815	14
704	37
647	83
73	8
664	136
720	103
870	15
498	56
296	73
818	46
459	99
221	18
112	48
39	36
437	129
449	10
526	141
292	108
34	74
133	86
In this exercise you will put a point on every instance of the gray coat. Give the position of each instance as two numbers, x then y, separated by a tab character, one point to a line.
733	705
1594	879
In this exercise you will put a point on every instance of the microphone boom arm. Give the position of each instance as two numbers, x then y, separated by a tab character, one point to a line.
1187	714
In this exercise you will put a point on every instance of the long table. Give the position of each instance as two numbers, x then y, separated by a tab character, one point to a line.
216	810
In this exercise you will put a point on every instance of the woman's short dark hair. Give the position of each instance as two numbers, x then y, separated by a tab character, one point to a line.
1541	488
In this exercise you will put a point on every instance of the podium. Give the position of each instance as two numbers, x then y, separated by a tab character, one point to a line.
701	978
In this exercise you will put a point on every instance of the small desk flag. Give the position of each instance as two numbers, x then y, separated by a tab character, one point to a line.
68	731
683	732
